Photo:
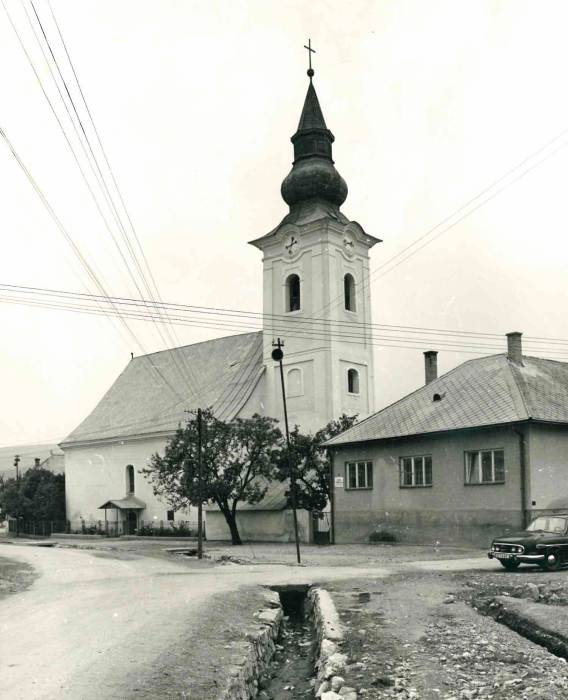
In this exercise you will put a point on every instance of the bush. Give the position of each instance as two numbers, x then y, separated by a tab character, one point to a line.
181	529
382	536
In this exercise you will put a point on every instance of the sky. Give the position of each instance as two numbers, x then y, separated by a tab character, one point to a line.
195	102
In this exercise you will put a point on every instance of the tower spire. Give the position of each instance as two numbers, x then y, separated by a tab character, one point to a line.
313	175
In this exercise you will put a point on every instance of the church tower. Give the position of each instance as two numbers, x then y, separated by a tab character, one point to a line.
315	289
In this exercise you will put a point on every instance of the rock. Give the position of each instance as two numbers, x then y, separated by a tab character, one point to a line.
336	683
331	695
328	648
346	691
533	592
323	688
449	599
351	695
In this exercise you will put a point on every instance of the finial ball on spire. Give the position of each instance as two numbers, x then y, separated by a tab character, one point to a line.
310	73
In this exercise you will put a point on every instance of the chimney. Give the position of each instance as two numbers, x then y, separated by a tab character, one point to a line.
36	461
515	348
431	365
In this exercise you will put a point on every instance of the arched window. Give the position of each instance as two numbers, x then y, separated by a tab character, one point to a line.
130	479
349	292
294	383
293	293
352	381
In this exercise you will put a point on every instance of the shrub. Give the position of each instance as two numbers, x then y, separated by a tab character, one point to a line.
382	536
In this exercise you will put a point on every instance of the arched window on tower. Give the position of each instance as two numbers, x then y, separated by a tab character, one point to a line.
352	381
349	292
130	479
293	293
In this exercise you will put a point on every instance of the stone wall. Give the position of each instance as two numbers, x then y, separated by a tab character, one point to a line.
331	662
242	683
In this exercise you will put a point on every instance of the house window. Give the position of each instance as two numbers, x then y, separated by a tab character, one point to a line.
415	471
359	475
349	292
130	479
485	467
170	515
293	293
352	381
294	383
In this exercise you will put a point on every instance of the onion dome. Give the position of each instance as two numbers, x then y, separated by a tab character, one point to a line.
313	175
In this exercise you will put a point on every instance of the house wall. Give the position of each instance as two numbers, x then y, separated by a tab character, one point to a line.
260	526
94	475
449	511
548	454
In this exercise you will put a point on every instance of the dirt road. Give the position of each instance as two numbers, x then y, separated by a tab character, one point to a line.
97	625
115	624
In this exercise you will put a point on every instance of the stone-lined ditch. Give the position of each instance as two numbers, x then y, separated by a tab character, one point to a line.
296	652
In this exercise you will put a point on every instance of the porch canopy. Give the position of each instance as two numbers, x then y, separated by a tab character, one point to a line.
128	503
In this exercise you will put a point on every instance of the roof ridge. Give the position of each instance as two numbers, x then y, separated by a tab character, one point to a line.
412	393
520	389
192	345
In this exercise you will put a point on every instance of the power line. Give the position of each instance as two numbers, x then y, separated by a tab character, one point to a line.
379	341
185	373
230	313
76	250
373	274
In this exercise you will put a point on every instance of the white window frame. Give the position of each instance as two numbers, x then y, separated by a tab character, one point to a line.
357	381
418	462
479	467
289	274
352	292
368	480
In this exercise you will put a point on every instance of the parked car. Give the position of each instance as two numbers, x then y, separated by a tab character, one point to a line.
543	542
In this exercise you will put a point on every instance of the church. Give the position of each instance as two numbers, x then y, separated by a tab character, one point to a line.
315	271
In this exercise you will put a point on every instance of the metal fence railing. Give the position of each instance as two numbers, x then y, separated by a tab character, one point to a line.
142	528
35	528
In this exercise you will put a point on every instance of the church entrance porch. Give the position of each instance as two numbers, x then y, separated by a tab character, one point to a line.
124	520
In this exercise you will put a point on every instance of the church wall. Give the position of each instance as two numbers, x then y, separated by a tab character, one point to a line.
260	526
449	511
96	474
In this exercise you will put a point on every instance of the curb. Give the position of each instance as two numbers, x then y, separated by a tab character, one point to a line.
243	677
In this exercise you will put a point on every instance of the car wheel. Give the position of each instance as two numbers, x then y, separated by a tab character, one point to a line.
509	564
552	560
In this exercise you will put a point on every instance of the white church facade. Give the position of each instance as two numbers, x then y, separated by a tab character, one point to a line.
315	298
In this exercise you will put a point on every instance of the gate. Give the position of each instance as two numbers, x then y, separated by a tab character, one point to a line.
321	527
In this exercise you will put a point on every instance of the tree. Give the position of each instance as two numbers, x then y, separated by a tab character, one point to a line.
38	495
312	464
238	463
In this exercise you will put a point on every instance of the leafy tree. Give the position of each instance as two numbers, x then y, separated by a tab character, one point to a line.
312	464
38	495
238	462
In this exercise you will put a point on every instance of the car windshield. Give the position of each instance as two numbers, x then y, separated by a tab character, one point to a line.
557	525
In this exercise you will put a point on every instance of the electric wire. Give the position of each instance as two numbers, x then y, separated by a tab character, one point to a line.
185	372
440	334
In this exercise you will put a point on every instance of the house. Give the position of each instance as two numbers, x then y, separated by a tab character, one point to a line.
48	456
475	452
313	264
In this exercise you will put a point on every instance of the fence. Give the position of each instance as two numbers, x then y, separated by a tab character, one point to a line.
39	528
143	528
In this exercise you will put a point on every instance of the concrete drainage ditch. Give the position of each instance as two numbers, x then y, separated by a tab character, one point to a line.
296	652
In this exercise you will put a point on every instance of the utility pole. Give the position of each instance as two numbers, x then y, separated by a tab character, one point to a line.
16	463
199	482
277	355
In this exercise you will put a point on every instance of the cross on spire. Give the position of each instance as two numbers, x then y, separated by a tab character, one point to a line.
310	52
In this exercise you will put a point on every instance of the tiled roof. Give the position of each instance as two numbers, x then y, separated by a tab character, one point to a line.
481	392
274	499
153	391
